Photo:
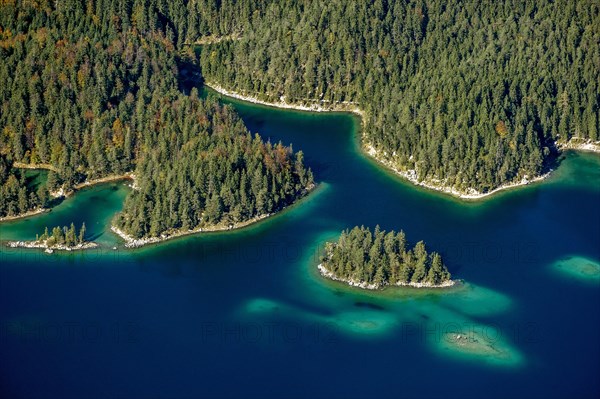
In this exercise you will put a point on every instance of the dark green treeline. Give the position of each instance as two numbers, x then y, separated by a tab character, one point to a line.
380	258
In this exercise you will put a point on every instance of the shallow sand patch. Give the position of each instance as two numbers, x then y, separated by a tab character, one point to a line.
478	343
579	267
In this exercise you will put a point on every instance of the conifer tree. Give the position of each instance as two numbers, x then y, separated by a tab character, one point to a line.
360	256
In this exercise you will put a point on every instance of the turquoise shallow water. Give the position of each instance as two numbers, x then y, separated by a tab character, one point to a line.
246	314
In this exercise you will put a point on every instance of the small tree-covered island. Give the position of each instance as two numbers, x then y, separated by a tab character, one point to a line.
59	238
373	260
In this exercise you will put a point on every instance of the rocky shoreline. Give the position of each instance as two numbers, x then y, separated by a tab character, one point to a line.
579	144
575	144
131	242
67	192
24	215
107	179
312	106
471	194
50	248
364	285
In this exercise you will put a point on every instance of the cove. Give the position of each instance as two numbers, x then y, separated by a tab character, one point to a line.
244	313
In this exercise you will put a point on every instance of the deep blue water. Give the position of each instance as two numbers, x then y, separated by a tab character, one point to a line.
244	314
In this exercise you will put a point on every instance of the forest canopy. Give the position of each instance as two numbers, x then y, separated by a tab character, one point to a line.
93	89
379	258
217	173
470	94
16	196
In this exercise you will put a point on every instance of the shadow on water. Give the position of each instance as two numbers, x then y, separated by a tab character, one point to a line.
368	305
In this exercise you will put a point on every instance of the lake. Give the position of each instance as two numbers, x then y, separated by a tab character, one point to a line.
245	313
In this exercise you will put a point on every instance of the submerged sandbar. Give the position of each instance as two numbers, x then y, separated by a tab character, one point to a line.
479	346
579	267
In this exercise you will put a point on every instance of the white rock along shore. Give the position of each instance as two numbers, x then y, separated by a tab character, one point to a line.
51	248
411	175
313	106
27	214
131	242
362	284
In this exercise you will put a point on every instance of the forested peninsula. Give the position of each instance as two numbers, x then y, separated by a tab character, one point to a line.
461	97
98	93
373	260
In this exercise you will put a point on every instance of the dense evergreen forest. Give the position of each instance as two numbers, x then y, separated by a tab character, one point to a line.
380	258
472	94
92	89
15	196
218	173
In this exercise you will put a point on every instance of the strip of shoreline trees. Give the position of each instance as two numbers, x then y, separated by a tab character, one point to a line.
67	236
